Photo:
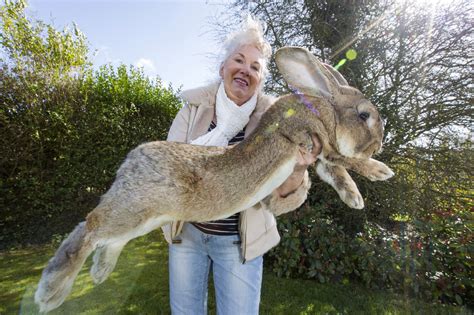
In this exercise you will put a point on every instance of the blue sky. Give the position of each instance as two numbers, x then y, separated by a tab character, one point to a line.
172	39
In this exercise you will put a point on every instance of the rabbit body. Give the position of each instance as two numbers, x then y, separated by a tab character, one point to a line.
160	182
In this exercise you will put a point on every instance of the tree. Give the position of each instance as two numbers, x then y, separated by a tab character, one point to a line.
36	47
414	62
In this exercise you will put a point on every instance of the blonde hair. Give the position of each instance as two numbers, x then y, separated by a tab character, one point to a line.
250	32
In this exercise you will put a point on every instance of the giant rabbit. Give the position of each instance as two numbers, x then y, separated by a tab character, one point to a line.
160	182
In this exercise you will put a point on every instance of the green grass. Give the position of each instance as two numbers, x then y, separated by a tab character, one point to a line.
139	285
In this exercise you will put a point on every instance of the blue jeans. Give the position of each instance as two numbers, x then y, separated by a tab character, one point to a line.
237	285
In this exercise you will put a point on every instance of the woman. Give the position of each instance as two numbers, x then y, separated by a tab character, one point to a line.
223	114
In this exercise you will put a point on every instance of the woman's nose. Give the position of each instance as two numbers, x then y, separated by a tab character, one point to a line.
245	69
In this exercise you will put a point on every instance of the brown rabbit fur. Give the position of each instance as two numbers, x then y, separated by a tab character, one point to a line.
160	182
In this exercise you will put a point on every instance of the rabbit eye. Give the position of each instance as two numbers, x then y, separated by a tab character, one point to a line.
364	116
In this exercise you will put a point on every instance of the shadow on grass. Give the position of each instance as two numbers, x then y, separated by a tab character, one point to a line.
139	285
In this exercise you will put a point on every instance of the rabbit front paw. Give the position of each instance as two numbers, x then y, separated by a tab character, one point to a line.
352	198
377	170
338	177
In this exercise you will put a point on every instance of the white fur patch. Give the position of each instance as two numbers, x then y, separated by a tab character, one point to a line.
276	179
345	145
145	228
371	122
326	177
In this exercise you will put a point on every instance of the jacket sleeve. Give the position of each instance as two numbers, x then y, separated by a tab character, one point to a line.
179	128
279	205
178	133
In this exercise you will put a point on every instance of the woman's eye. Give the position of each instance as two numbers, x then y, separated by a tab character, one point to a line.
256	68
239	60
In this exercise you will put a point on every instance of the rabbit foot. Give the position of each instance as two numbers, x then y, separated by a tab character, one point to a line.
352	198
52	292
338	177
104	260
100	272
378	171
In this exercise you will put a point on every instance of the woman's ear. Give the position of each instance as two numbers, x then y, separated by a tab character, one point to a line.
221	71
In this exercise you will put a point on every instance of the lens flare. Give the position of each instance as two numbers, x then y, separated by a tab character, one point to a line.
351	54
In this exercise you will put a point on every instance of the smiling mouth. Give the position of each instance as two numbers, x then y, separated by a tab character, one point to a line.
241	82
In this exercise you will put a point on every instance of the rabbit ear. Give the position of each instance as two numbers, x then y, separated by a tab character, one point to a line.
304	71
336	74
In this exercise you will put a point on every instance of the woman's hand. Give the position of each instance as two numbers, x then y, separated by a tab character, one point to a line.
305	158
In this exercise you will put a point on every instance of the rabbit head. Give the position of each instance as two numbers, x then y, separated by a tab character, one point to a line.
358	126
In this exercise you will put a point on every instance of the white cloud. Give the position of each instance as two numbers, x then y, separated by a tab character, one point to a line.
148	66
102	56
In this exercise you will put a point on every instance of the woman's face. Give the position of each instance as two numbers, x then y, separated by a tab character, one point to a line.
242	73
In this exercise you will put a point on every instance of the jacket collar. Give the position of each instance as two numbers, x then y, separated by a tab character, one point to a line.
201	96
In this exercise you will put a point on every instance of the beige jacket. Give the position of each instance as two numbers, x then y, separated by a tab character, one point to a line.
258	230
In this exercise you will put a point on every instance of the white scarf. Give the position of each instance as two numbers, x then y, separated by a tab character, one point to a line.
231	119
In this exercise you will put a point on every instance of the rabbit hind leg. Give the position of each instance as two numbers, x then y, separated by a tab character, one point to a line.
105	259
106	255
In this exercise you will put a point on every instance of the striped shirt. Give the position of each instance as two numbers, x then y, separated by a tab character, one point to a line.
230	225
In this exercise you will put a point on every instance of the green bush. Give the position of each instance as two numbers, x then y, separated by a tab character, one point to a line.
312	246
445	247
63	143
430	258
64	129
414	236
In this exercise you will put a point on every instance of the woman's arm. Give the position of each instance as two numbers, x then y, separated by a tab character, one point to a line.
179	128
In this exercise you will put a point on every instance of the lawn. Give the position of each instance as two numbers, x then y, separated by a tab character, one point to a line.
139	285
